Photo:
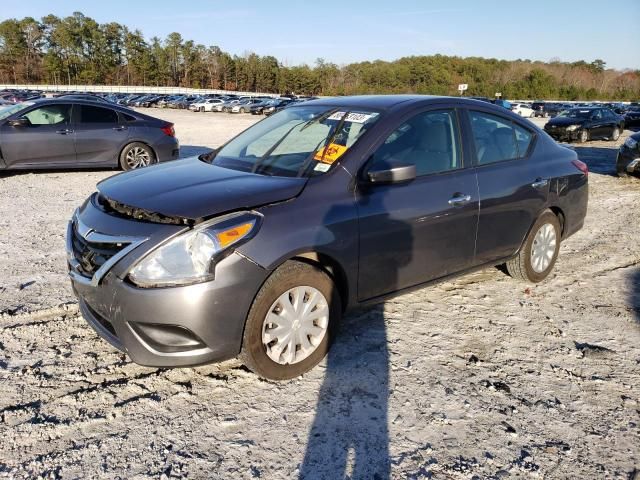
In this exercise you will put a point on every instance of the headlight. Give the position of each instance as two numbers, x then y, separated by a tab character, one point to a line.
631	143
190	257
571	128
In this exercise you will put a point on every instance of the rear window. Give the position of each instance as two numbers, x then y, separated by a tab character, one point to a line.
89	114
498	139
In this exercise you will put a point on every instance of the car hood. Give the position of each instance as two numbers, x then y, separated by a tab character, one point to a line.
565	121
195	190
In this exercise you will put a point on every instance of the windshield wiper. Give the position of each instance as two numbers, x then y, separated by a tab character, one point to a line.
311	156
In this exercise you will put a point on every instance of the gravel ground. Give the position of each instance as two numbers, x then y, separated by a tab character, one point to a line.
481	377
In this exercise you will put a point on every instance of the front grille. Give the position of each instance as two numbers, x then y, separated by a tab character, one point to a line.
92	255
116	208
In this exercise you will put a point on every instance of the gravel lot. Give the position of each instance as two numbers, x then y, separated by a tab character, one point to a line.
481	377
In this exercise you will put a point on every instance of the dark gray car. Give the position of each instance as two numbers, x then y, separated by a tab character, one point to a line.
71	133
256	249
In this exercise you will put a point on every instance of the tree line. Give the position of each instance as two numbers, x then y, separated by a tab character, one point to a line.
78	50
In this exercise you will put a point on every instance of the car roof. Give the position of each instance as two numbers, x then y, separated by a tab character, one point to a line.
392	102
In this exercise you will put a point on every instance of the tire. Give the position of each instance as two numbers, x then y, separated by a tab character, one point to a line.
531	115
583	136
522	266
136	155
290	276
242	110
615	135
201	109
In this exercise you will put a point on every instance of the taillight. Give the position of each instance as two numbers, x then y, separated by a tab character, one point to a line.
169	130
581	166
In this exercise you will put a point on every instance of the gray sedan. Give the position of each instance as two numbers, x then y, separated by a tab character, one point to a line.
64	133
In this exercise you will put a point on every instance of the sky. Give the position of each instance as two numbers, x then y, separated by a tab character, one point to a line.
344	31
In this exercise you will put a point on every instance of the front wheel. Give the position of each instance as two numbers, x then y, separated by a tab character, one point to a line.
242	110
291	323
537	257
583	136
201	109
136	155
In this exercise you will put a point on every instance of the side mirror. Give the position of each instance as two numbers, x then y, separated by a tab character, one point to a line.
391	172
19	122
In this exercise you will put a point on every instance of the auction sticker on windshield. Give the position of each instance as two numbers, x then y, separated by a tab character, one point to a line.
353	117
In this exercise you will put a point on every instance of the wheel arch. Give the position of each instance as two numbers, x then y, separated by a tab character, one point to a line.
331	267
561	218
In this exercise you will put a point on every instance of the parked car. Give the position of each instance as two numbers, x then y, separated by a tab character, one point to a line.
258	108
584	124
502	103
243	106
277	105
632	117
522	110
628	161
256	249
539	109
206	105
70	133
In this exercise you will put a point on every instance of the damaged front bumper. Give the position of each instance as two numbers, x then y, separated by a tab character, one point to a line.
628	161
160	327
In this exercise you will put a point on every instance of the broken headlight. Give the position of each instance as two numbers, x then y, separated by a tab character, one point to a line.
190	257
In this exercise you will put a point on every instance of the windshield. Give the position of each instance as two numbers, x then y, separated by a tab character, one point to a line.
576	113
296	142
6	112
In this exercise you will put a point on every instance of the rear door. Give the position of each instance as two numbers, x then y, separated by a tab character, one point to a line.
415	232
100	135
513	186
47	141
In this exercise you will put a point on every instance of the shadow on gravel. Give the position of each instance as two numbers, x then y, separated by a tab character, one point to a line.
600	160
349	437
634	296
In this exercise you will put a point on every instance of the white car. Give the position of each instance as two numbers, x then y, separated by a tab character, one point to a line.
522	110
208	105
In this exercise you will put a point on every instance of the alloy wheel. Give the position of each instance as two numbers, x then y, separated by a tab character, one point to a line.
295	325
137	157
543	248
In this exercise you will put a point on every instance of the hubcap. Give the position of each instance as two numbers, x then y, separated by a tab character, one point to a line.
295	325
543	248
138	157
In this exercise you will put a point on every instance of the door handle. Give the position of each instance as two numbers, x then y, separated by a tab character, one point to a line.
540	183
459	200
120	128
65	131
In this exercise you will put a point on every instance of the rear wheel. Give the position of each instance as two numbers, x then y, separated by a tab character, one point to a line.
243	110
291	323
615	135
136	155
537	257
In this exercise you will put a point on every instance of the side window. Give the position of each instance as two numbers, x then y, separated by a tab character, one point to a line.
56	114
523	139
597	115
429	141
90	114
494	138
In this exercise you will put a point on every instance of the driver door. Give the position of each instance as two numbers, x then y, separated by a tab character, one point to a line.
424	229
46	141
